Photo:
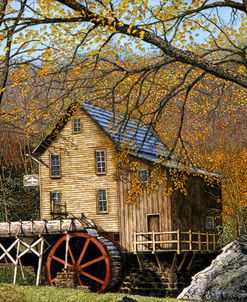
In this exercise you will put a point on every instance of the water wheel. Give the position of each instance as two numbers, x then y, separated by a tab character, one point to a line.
95	261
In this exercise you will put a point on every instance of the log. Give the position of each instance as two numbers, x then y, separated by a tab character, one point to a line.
42	227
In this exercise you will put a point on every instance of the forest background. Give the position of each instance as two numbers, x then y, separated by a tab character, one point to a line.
180	66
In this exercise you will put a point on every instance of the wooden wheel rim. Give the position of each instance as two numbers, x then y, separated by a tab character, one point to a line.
77	266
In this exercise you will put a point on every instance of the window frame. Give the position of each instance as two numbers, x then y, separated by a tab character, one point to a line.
96	161
60	173
212	218
60	203
98	201
73	126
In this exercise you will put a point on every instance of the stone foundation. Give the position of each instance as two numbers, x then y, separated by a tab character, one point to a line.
65	280
166	280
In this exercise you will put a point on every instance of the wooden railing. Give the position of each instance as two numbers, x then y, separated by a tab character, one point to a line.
178	241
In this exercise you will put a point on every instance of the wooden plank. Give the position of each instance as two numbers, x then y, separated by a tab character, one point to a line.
41	251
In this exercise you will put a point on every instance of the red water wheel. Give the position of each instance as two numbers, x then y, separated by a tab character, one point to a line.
85	256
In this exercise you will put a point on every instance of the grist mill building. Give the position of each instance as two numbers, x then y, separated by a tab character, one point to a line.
80	177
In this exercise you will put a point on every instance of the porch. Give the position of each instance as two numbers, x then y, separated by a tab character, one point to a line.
175	241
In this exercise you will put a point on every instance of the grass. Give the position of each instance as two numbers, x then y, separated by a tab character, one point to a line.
17	293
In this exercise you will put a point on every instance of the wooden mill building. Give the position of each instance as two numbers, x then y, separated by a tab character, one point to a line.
80	175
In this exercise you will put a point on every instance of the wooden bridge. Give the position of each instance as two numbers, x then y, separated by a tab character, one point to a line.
175	241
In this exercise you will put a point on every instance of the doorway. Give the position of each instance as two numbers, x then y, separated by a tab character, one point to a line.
153	221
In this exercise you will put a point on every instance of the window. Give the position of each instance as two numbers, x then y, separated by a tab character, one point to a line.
76	126
56	204
56	198
209	222
100	161
55	165
143	175
102	201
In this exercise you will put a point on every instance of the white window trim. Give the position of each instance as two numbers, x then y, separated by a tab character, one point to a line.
73	128
107	203
51	175
96	161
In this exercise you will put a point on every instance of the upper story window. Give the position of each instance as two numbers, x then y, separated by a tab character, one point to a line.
102	201
100	158
76	124
143	175
55	166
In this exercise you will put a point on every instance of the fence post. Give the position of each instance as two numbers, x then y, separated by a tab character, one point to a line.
134	243
199	241
190	240
207	241
178	242
153	238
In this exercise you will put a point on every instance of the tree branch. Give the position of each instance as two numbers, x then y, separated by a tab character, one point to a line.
184	56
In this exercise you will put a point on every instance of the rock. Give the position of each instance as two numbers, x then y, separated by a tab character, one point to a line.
226	277
127	299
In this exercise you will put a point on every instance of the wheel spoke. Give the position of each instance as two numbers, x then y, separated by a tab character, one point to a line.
92	277
92	262
60	260
83	251
71	254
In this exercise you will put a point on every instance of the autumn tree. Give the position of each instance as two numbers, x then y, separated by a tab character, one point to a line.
172	63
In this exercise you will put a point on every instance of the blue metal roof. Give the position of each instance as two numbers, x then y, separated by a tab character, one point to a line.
128	133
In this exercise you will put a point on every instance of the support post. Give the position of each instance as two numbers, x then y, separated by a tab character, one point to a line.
41	251
158	261
139	262
190	263
66	252
182	261
16	261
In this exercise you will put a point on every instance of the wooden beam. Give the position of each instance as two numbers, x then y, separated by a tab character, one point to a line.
41	251
182	261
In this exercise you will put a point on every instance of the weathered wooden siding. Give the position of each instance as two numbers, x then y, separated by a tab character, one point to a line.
133	217
190	211
79	182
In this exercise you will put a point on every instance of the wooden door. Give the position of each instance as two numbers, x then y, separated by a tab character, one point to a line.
153	226
153	223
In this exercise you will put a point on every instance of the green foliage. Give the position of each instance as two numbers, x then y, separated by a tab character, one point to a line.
228	232
21	203
6	276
